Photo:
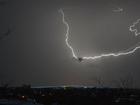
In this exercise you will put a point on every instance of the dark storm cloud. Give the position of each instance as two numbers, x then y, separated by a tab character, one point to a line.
3	2
36	52
4	35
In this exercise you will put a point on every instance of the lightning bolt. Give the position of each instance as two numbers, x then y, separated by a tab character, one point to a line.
124	52
67	34
134	30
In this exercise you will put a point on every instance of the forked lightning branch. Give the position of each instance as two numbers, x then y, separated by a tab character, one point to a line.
122	53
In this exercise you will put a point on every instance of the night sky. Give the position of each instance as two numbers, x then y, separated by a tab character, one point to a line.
33	49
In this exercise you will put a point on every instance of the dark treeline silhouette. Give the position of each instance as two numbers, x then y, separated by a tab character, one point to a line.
73	95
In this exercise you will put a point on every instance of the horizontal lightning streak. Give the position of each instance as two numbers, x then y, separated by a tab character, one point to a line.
125	52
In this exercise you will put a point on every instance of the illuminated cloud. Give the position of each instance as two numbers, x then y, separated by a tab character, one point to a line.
118	10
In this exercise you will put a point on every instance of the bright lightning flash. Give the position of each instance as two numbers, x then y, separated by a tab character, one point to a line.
67	34
125	52
135	30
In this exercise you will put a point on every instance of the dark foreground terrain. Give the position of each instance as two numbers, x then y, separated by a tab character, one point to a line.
69	96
